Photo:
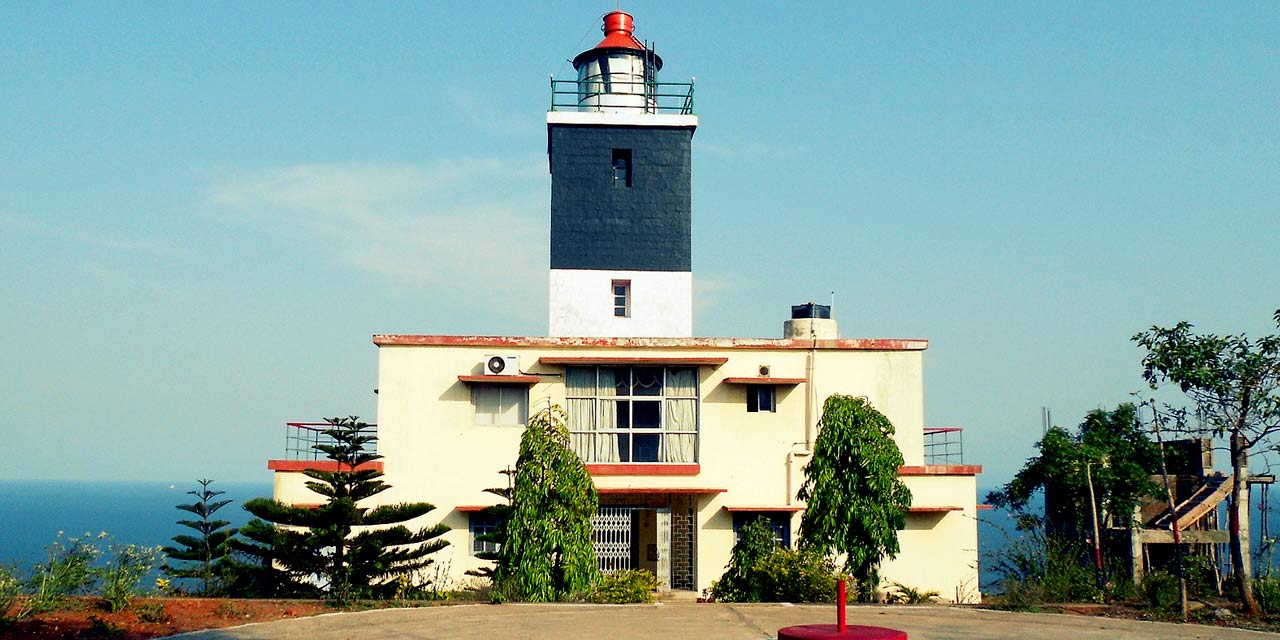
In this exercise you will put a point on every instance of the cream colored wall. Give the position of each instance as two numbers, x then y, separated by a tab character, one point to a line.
291	488
433	450
939	550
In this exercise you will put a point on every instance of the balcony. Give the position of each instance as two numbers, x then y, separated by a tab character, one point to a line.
943	445
301	438
675	98
300	453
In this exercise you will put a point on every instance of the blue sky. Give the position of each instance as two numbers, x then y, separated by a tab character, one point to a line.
206	209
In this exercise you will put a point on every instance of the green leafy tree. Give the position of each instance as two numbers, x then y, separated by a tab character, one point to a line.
547	553
356	551
856	504
739	583
1111	447
204	557
1233	385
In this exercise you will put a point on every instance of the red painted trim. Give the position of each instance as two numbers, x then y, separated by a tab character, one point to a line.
710	362
777	381
523	380
942	429
317	465
308	505
842	344
933	509
655	490
985	507
941	470
634	469
791	509
472	508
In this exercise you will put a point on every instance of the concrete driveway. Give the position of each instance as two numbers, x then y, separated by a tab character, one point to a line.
702	622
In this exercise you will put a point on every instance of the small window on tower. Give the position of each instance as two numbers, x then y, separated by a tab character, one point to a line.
622	167
622	298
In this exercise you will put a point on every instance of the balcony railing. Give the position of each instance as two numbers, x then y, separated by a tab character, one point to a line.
301	438
943	445
622	96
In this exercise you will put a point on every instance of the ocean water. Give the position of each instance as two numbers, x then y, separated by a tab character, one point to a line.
32	513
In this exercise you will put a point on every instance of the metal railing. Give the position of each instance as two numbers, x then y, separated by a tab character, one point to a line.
591	95
943	445
301	438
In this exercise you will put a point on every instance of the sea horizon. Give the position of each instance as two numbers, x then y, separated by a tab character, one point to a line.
34	512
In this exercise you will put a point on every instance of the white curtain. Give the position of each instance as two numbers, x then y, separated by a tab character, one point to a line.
581	382
606	438
682	415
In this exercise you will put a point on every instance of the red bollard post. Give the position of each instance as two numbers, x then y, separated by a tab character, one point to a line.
841	598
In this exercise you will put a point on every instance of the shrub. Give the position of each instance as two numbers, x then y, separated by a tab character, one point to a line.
788	575
1022	595
1266	588
10	591
1202	579
1039	567
127	567
151	612
625	587
68	571
1161	591
902	594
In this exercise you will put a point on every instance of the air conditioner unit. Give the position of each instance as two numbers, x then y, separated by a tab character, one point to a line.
501	365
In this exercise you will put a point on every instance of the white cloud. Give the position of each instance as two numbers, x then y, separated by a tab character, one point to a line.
456	225
84	236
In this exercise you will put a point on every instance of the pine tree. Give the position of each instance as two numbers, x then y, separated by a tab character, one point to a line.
548	553
500	514
855	502
356	551
204	557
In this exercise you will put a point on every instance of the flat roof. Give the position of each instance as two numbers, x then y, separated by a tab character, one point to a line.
780	344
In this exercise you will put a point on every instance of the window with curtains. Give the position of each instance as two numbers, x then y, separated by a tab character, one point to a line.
633	414
500	404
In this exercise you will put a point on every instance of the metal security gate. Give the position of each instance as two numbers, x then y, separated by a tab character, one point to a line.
611	535
664	549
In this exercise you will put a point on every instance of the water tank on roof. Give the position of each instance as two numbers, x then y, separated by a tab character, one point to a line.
810	310
810	321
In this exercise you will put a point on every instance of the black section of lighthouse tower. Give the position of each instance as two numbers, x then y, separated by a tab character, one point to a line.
620	197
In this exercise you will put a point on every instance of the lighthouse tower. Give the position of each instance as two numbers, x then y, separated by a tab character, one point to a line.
619	143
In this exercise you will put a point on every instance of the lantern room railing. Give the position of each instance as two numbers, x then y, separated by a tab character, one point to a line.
943	445
656	97
301	438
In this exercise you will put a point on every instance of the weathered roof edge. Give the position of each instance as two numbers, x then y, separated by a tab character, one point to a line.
839	344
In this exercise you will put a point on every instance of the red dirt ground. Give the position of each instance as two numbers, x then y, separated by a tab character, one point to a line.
153	617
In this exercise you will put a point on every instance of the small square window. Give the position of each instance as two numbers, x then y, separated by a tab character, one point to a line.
500	404
621	167
483	524
761	398
622	298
